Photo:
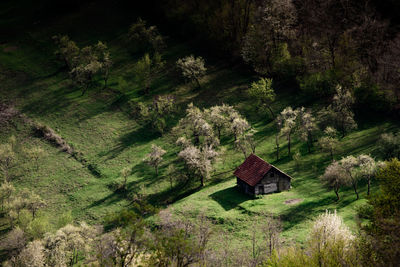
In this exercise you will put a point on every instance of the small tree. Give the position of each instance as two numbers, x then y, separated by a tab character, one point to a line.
389	145
6	191
199	160
35	153
195	126
171	173
154	158
330	241
192	68
144	37
334	177
7	158
34	202
32	255
307	126
239	126
263	93
104	59
340	112
278	123
329	142
367	168
147	69
349	165
125	172
289	123
83	74
67	50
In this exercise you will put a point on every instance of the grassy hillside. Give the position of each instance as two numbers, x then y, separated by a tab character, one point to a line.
99	126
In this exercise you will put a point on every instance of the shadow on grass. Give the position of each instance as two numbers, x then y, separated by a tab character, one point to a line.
138	136
230	198
305	211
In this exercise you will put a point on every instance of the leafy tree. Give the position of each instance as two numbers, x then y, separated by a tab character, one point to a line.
289	123
7	158
147	69
33	202
334	177
383	231
307	126
331	242
64	246
180	242
329	142
104	59
144	37
32	255
272	24
340	111
35	153
389	145
199	160
263	92
239	126
171	173
192	68
6	191
83	74
156	113
367	168
220	117
154	158
349	165
195	126
125	172
14	241
67	50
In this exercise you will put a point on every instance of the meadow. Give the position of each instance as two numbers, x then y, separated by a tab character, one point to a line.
100	126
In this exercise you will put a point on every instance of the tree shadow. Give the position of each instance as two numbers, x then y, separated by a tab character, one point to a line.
138	136
304	211
230	198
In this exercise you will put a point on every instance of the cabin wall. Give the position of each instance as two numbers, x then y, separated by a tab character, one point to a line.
245	187
273	181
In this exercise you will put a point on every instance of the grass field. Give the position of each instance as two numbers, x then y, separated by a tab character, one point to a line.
98	125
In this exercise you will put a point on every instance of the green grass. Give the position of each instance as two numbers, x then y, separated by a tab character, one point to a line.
98	125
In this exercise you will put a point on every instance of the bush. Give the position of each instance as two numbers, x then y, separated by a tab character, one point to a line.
318	85
50	135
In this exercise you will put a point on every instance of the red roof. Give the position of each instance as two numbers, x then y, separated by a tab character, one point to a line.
252	170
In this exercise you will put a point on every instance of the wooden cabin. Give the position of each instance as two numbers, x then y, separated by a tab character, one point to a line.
256	176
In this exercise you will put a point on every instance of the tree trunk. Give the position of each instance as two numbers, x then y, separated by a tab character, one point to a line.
369	185
202	180
219	133
270	110
277	146
355	190
198	83
337	194
156	167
